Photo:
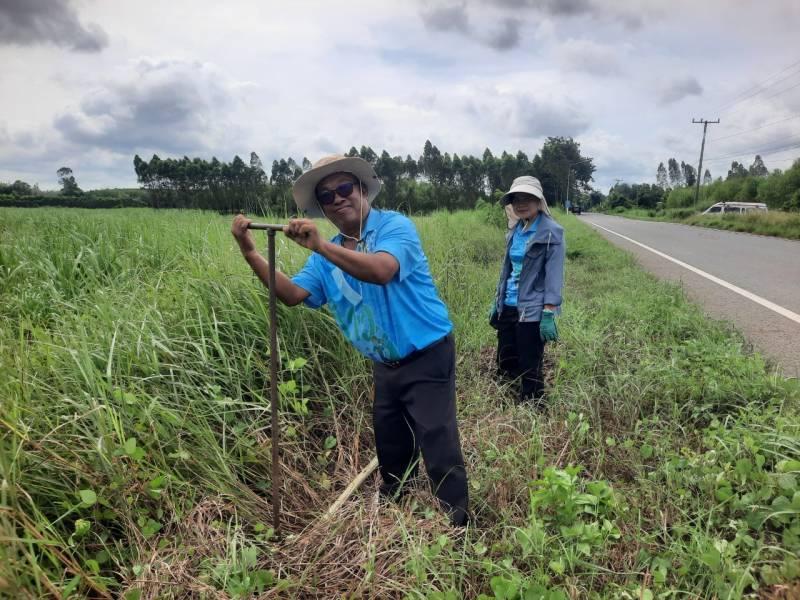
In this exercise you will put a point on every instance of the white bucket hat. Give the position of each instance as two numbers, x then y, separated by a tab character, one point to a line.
304	189
527	185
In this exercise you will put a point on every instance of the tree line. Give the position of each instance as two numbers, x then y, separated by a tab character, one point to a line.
675	176
433	180
675	183
778	189
66	180
22	194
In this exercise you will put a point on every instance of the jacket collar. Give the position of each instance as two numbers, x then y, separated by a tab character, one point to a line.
535	224
547	232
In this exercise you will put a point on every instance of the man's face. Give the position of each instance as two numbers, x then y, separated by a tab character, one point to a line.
345	212
526	206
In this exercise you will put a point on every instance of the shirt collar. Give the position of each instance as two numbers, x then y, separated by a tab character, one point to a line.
370	224
373	218
533	226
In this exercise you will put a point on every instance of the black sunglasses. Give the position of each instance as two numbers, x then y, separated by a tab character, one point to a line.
514	198
326	197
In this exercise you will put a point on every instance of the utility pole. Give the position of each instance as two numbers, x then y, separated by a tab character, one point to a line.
700	167
566	204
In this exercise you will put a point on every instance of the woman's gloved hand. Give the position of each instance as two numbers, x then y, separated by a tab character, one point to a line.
548	330
493	318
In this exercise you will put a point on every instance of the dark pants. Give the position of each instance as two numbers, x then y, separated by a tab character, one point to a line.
520	353
415	410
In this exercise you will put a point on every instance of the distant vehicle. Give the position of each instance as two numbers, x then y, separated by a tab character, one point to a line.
575	209
735	208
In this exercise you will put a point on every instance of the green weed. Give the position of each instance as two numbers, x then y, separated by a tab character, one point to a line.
135	446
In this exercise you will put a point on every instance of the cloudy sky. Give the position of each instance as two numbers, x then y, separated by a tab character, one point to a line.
90	83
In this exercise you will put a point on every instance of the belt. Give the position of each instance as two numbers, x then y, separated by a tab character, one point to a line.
394	364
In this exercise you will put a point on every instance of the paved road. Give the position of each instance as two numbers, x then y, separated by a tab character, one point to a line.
766	267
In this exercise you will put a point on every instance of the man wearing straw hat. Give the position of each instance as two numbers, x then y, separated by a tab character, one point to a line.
374	277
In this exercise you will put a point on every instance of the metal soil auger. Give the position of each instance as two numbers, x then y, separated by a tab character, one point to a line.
273	375
273	392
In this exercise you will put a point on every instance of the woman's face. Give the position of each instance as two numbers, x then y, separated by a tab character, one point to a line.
526	206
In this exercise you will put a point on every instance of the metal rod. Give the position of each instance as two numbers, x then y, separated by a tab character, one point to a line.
273	379
266	226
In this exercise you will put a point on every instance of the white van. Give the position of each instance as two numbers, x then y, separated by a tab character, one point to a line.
736	207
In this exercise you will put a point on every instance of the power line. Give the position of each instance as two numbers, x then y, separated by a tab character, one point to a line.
762	82
789	145
756	153
773	145
792	159
783	91
757	92
758	87
724	137
789	160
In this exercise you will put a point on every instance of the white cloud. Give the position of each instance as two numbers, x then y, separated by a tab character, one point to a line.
169	105
520	114
312	77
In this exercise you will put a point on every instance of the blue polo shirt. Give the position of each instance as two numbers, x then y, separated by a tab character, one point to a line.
384	322
516	254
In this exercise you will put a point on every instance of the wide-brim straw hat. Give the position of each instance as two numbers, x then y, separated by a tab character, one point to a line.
527	184
304	189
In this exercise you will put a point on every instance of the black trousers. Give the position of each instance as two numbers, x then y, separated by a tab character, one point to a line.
520	353
415	411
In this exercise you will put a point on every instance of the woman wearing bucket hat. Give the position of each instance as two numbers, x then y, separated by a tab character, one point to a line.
529	290
374	278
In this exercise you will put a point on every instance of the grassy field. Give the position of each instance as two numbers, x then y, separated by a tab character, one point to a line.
135	441
774	223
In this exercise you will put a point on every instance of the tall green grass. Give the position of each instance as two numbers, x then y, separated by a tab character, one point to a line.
774	223
135	444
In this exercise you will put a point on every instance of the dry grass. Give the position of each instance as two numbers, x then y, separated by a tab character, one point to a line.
115	330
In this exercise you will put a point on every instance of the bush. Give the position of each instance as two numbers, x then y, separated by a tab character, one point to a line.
776	190
492	212
680	198
84	201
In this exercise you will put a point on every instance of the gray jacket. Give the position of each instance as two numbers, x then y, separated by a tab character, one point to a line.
542	276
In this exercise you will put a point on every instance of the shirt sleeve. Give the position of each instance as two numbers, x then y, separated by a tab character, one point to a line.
399	238
309	279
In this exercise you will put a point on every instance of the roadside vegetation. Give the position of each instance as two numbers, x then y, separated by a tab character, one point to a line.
778	224
135	443
773	223
779	190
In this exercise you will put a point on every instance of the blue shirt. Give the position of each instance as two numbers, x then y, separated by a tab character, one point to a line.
516	254
384	322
